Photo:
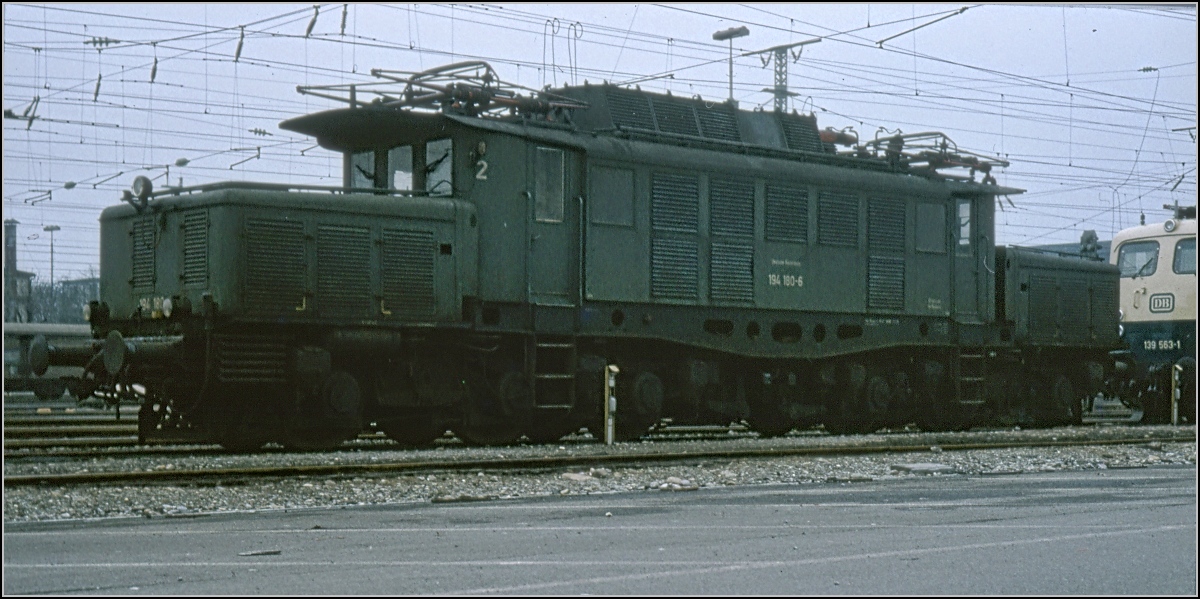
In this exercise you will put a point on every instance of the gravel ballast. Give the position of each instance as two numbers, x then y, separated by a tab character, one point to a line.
35	503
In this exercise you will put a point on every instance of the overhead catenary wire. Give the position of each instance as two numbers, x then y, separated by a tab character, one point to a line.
181	119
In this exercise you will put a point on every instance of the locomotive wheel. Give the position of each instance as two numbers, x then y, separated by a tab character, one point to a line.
1068	408
936	410
641	407
1155	398
415	429
493	414
773	408
862	412
1060	404
335	417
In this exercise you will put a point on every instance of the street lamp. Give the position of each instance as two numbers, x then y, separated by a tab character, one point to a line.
53	292
729	34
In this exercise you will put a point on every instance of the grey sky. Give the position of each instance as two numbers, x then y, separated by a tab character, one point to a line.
1092	104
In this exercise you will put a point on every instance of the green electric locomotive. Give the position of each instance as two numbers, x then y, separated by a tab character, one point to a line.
493	253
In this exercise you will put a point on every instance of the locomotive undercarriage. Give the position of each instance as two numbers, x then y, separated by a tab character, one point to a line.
313	389
1150	389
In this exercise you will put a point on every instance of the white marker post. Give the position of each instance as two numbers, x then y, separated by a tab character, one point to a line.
610	403
1176	383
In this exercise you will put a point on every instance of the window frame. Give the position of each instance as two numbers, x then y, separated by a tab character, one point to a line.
1129	245
1175	259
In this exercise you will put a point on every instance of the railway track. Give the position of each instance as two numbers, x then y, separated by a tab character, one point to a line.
82	435
62	429
595	455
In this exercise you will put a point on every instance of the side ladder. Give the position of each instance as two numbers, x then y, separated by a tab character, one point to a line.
552	363
970	372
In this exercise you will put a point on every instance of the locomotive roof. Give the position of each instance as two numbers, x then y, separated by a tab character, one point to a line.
579	115
1178	227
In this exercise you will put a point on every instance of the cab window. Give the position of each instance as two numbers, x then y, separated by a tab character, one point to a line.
362	169
400	167
964	228
439	160
1138	259
1185	256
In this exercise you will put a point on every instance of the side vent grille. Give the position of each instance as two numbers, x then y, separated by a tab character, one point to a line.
343	271
837	219
787	214
719	122
145	239
885	283
251	359
630	110
732	272
679	116
885	264
675	203
1104	303
1044	297
675	117
885	226
801	133
407	272
674	270
732	204
674	249
195	249
1074	310
731	264
275	265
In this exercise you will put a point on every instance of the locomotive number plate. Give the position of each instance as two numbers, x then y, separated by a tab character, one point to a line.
1161	344
776	280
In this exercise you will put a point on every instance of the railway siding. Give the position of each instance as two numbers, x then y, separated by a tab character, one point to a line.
458	474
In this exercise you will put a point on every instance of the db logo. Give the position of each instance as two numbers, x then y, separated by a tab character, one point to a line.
1162	302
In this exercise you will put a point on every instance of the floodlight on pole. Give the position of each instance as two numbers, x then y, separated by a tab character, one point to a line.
730	34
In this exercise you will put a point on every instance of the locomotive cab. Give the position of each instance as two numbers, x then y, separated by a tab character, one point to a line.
1158	315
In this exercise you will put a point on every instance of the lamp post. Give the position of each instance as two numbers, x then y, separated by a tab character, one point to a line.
730	34
53	292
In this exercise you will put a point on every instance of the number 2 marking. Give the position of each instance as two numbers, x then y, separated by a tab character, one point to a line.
481	174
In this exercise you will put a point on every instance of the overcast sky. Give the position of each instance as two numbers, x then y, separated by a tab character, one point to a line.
1093	105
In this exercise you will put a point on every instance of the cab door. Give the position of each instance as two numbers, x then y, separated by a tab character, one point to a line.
966	262
553	258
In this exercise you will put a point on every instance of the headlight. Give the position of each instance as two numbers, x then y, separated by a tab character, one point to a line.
1120	330
1120	314
167	305
87	312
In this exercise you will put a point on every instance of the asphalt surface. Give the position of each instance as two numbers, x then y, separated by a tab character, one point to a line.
1085	532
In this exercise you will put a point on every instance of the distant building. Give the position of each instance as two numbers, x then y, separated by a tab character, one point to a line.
73	295
18	284
1101	248
84	288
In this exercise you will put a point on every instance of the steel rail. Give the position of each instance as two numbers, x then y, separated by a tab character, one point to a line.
538	463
